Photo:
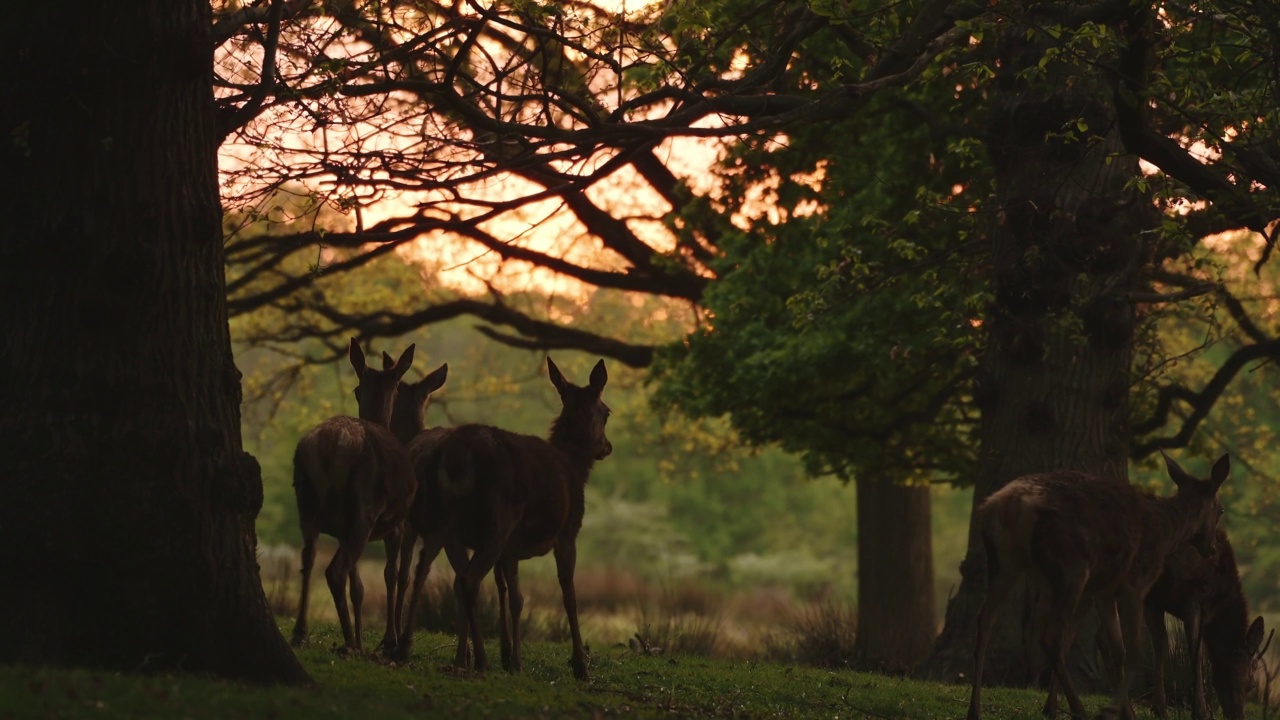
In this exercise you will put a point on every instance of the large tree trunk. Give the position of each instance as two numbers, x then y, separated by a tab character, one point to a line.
1053	385
126	531
895	576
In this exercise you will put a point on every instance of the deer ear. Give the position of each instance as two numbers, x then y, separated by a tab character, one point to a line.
435	380
557	378
357	358
1253	637
402	365
1221	470
599	376
387	362
1179	476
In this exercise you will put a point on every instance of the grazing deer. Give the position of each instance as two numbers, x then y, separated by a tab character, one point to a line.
1088	541
509	497
353	481
1205	594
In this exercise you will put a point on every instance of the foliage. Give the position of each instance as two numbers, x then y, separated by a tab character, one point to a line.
841	321
677	497
1193	343
845	332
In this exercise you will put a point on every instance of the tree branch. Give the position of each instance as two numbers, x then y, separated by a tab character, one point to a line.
536	334
1200	402
1130	101
230	118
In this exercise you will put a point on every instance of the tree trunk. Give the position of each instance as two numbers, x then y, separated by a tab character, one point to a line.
1068	247
129	503
895	576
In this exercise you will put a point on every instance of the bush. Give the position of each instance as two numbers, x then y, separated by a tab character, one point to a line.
821	633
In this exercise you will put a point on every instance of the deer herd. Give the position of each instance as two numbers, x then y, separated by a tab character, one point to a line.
487	497
490	498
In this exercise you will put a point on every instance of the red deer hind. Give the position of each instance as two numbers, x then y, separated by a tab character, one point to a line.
408	424
353	481
509	497
1205	594
1088	541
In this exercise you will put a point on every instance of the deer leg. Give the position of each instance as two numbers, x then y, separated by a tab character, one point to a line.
344	564
1059	632
1159	657
407	542
1195	637
1115	647
1000	583
1130	606
504	629
431	546
309	534
357	603
391	576
460	562
511	568
482	561
566	553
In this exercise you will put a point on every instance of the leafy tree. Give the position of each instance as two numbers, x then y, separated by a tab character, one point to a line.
129	501
1042	298
440	102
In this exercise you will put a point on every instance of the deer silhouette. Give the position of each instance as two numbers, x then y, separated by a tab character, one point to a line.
508	497
353	481
1206	595
1088	541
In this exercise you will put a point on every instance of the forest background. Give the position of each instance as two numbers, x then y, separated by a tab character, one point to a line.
924	304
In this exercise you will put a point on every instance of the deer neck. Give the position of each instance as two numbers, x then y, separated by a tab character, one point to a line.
575	447
1176	514
406	427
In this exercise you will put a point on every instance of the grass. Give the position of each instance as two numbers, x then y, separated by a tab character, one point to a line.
625	683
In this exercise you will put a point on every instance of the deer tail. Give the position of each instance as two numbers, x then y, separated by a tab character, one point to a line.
322	466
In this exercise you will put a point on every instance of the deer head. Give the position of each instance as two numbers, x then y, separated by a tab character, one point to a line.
408	416
376	390
584	414
1236	678
1202	497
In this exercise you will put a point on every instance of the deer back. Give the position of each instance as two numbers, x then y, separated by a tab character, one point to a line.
487	480
493	480
1061	517
1109	528
347	468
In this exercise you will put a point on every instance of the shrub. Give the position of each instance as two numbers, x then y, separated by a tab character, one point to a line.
821	633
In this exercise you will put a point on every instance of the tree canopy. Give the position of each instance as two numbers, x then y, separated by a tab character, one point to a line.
485	121
917	237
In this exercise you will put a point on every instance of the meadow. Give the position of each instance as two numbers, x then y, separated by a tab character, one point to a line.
625	683
689	651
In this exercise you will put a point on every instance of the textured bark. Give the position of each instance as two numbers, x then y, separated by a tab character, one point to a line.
129	502
1053	385
895	576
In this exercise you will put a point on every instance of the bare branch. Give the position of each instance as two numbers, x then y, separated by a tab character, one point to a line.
231	118
1200	403
535	334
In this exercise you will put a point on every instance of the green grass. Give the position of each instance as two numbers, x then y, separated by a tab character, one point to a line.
624	684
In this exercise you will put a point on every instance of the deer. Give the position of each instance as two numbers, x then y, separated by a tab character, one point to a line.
1206	595
408	424
509	497
353	481
1087	541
